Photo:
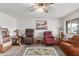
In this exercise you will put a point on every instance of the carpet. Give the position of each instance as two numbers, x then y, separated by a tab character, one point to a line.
40	51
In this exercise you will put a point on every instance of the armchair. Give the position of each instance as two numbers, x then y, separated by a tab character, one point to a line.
49	38
28	38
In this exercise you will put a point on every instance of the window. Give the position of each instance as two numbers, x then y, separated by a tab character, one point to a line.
72	26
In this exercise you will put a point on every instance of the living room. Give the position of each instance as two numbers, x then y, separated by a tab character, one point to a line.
26	28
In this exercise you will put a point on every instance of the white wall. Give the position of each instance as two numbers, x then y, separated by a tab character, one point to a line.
7	21
71	16
53	25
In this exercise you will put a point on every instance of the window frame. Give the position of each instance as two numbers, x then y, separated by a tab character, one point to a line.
71	21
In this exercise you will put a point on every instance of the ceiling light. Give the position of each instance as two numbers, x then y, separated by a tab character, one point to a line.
40	9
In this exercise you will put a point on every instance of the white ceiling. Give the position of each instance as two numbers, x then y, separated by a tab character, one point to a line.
20	10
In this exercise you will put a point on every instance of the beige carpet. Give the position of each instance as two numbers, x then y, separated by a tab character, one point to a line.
14	51
41	51
20	50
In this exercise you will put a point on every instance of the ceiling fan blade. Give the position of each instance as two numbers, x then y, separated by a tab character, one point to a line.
50	3
45	10
33	9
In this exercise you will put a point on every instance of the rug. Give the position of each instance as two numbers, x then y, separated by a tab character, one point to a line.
41	51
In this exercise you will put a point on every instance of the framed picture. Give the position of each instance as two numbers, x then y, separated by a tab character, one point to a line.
41	24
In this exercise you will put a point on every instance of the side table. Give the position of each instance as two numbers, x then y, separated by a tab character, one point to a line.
38	41
16	41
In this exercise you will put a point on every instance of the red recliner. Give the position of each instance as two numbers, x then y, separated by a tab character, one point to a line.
49	38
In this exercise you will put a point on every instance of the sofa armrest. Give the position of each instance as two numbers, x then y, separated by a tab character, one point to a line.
7	43
68	41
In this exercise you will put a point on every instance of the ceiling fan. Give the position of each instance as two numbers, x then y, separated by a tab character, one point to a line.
41	7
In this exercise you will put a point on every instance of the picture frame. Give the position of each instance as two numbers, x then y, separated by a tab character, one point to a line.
41	24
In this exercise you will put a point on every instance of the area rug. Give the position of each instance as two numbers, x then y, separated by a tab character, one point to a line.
40	51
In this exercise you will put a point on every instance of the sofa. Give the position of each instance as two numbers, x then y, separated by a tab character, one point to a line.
49	39
5	40
71	46
5	45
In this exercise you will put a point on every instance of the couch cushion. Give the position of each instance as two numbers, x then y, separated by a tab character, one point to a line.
65	44
75	42
69	48
9	43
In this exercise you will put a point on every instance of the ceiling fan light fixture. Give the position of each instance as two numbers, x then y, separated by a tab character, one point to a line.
40	10
40	7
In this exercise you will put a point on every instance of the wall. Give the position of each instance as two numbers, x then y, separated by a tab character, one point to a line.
53	25
7	21
12	23
71	16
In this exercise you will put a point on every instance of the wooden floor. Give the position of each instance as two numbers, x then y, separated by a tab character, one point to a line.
19	50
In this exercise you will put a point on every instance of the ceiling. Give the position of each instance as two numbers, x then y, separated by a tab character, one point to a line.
20	10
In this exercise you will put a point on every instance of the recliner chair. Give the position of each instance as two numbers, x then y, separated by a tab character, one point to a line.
28	39
49	39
